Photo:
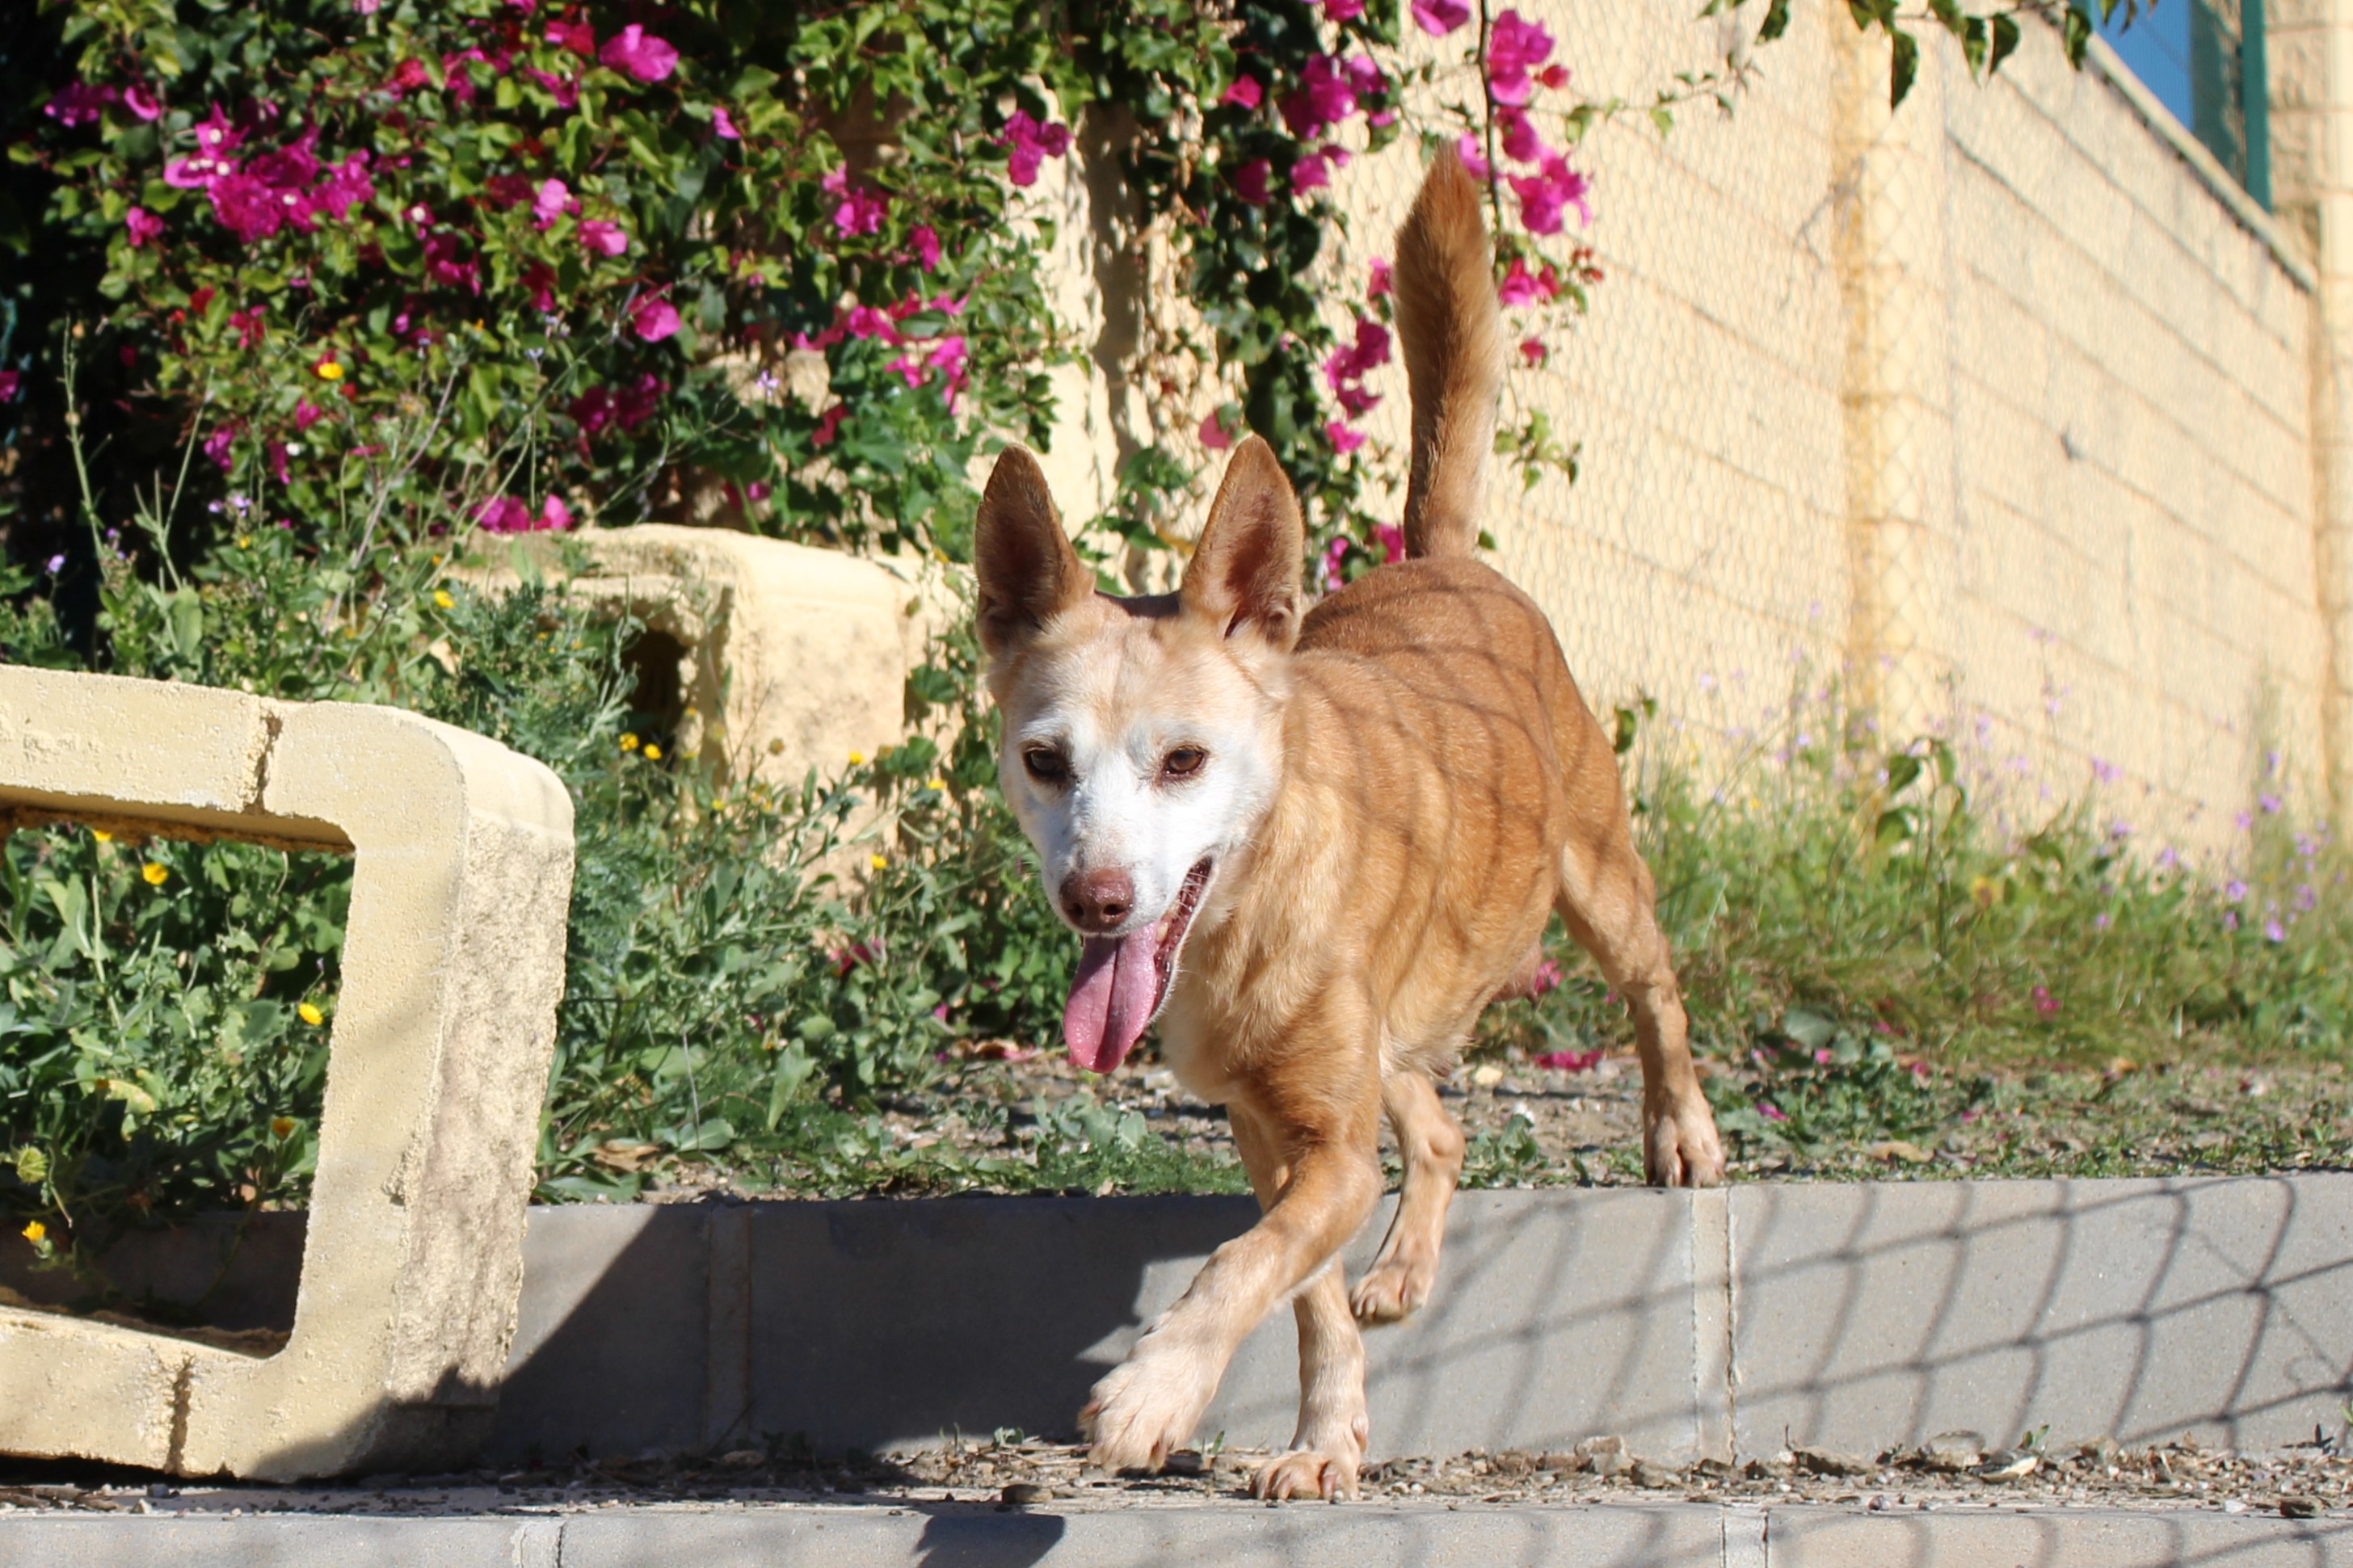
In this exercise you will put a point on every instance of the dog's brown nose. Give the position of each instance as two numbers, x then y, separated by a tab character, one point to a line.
1097	900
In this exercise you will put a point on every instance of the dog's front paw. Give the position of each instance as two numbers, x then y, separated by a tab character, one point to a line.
1307	1473
1680	1146
1395	1288
1145	1408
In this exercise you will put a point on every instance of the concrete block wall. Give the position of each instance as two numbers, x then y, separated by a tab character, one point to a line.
2005	401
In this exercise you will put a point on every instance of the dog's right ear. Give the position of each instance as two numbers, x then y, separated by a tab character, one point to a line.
1027	570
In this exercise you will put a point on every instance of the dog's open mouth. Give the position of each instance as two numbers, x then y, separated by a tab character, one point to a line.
1123	981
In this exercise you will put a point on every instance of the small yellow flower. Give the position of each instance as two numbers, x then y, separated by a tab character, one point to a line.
857	759
939	784
328	370
653	753
156	873
441	597
36	1233
245	541
281	1126
877	861
308	1013
101	834
629	741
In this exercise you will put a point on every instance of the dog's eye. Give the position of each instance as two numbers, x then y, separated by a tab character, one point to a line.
1183	762
1045	765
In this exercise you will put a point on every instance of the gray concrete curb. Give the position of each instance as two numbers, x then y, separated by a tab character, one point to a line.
1741	1320
1671	1535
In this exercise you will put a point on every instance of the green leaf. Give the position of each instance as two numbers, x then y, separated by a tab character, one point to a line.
1905	67
2005	40
1777	21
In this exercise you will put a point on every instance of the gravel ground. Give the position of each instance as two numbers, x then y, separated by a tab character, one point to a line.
2309	1482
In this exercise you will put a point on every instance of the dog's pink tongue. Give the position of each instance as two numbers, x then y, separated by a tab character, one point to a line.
1110	1000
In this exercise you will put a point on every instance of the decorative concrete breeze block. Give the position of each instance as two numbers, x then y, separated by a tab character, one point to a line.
792	657
453	962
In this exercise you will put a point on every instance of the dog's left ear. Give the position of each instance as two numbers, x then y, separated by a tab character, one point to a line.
1244	574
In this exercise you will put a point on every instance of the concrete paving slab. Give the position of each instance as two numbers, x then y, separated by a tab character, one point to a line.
1872	1315
2071	1538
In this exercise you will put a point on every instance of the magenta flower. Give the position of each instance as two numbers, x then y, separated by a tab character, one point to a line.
1346	367
2273	931
639	53
554	200
1344	439
79	104
1475	160
1245	93
654	318
1545	195
504	514
1326	96
1770	1111
141	102
1251	181
1439	18
1381	281
722	125
577	37
1519	286
1532	351
1029	144
860	211
307	413
1521	142
444	266
1336	11
247	207
829	425
554	513
1213	434
143	225
1313	172
604	238
926	241
1570	1061
219	447
1515	46
345	186
1391	539
563	88
2045	1004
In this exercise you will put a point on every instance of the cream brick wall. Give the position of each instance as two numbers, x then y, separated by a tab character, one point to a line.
1994	399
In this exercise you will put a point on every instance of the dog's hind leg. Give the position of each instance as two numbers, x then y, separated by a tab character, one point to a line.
1431	1146
1607	901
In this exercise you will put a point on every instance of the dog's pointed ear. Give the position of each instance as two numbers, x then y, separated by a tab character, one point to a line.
1026	571
1245	572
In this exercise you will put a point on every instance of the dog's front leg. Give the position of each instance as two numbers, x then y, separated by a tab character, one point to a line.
1148	1405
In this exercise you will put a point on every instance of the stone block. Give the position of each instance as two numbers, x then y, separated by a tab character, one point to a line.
1870	1315
453	962
777	657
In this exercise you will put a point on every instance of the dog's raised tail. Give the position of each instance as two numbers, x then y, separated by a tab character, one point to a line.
1451	327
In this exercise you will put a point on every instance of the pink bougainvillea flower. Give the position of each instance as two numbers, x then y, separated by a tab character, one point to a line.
1326	96
1327	571
869	322
307	413
554	513
1466	147
948	356
504	514
639	400
1347	366
1364	77
1029	143
1344	439
1532	351
1770	1111
1245	93
248	326
1382	281
604	238
142	226
538	281
1213	434
576	35
1439	18
1569	1061
220	448
639	54
829	425
563	88
345	186
722	125
552	201
1554	76
247	207
80	103
444	266
1391	539
275	451
1521	142
11	383
1518	287
409	76
1515	46
1313	172
1545	194
1251	181
859	211
926	241
1343	10
140	102
653	318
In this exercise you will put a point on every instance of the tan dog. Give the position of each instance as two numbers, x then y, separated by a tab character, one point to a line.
1315	849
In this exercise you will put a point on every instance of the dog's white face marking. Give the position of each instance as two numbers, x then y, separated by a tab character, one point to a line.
1142	747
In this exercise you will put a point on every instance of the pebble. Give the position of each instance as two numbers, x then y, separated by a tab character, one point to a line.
1645	1473
2299	1507
1830	1462
1021	1494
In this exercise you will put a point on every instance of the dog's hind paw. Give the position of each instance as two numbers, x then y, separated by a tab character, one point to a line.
1304	1473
